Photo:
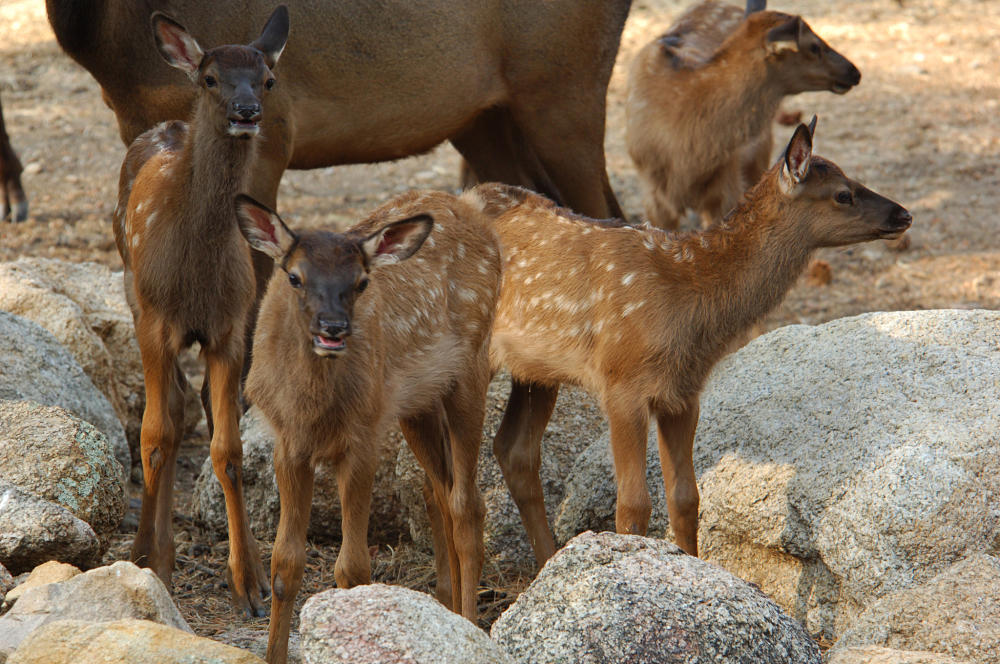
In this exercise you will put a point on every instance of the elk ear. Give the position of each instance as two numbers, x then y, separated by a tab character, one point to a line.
397	241
755	6
812	127
177	47
784	38
263	228
795	168
274	37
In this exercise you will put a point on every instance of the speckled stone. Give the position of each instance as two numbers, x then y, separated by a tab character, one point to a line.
621	598
105	594
379	624
59	457
123	642
51	571
34	366
877	655
34	530
7	582
956	613
840	462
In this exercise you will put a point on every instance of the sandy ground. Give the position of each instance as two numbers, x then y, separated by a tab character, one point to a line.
921	128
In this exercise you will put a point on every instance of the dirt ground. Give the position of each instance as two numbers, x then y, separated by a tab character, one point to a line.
921	128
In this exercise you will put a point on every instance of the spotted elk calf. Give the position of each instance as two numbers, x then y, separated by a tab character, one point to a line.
638	317
388	321
188	277
702	96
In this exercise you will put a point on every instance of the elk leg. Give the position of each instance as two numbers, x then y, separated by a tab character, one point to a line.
425	436
15	203
153	546
247	580
568	140
355	477
518	449
466	410
629	427
676	443
294	475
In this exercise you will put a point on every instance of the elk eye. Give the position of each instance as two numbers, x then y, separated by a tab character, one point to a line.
844	197
210	81
294	280
362	285
269	83
814	49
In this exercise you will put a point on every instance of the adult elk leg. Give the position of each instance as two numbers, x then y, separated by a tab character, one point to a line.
518	449
676	443
571	149
14	202
294	475
247	580
629	423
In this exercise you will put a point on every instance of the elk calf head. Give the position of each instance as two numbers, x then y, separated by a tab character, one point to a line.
328	271
801	60
235	78
837	209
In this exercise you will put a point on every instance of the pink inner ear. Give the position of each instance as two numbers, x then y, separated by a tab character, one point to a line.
386	244
262	220
176	44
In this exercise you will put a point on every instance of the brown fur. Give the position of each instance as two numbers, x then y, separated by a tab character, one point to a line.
418	353
638	317
13	202
701	99
189	277
518	88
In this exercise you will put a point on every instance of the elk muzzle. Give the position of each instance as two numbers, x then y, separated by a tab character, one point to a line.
330	335
898	221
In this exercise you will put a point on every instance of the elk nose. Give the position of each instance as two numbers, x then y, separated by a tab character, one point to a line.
247	111
902	217
854	75
334	328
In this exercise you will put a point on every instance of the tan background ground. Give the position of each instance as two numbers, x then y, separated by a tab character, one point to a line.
921	128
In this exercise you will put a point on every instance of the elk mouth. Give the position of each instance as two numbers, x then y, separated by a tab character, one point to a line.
896	226
327	346
841	88
243	128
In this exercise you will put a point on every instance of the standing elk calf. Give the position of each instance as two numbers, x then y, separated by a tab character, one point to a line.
638	317
189	277
352	335
701	99
13	202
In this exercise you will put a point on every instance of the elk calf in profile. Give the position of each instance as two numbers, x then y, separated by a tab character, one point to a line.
638	317
351	336
701	99
188	277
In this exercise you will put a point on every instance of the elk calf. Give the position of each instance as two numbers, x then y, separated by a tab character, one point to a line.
189	277
638	317
701	99
351	336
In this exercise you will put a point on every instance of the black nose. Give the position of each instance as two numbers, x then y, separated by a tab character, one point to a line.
334	328
247	111
854	75
901	217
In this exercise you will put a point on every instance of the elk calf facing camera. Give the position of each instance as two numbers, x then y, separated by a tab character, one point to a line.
388	321
638	317
189	277
701	99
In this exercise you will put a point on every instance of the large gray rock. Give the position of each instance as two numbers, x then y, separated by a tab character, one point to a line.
378	623
956	613
35	367
263	502
623	598
34	530
63	459
841	462
105	594
48	572
126	641
576	423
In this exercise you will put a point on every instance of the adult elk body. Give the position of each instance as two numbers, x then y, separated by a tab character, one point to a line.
638	317
518	86
701	99
189	277
13	202
390	320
